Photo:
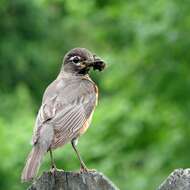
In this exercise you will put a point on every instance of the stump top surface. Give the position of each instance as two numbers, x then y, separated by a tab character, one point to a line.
179	179
61	180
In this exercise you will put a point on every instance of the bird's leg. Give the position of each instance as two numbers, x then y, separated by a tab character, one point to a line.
83	167
53	166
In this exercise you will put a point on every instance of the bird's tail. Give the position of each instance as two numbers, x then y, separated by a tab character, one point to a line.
32	164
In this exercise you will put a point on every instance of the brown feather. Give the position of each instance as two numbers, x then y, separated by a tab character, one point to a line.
32	165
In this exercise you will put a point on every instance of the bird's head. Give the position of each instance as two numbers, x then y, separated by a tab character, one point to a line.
80	60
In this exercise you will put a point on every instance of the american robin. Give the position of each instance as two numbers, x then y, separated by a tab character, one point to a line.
66	110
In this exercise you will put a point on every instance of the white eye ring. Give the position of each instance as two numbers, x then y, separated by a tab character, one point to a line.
76	60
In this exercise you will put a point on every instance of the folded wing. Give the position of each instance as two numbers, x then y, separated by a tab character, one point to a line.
67	110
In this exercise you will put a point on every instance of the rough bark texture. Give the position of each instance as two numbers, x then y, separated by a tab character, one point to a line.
72	181
177	180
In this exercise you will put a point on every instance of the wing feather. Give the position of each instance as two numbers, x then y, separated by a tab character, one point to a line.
69	127
66	110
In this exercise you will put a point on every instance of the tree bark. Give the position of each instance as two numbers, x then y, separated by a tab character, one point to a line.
177	180
61	180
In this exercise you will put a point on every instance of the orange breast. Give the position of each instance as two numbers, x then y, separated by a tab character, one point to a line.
87	124
84	128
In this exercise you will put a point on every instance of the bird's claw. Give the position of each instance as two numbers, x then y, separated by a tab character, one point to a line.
86	170
53	170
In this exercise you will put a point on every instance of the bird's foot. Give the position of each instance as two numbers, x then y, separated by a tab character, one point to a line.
84	169
54	169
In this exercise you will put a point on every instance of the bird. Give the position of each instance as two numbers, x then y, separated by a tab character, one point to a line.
66	110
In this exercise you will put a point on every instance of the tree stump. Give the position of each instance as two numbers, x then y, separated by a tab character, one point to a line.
177	180
61	180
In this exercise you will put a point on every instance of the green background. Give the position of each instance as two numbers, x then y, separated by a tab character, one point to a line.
140	129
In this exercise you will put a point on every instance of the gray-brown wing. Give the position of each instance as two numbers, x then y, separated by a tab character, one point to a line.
67	110
73	116
47	109
45	113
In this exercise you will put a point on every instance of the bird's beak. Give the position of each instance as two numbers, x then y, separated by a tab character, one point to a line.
96	64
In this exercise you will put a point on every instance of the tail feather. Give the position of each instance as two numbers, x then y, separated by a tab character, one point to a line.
32	164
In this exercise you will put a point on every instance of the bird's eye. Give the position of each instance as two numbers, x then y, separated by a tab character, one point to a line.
75	59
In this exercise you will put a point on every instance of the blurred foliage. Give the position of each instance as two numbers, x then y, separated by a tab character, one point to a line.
140	130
